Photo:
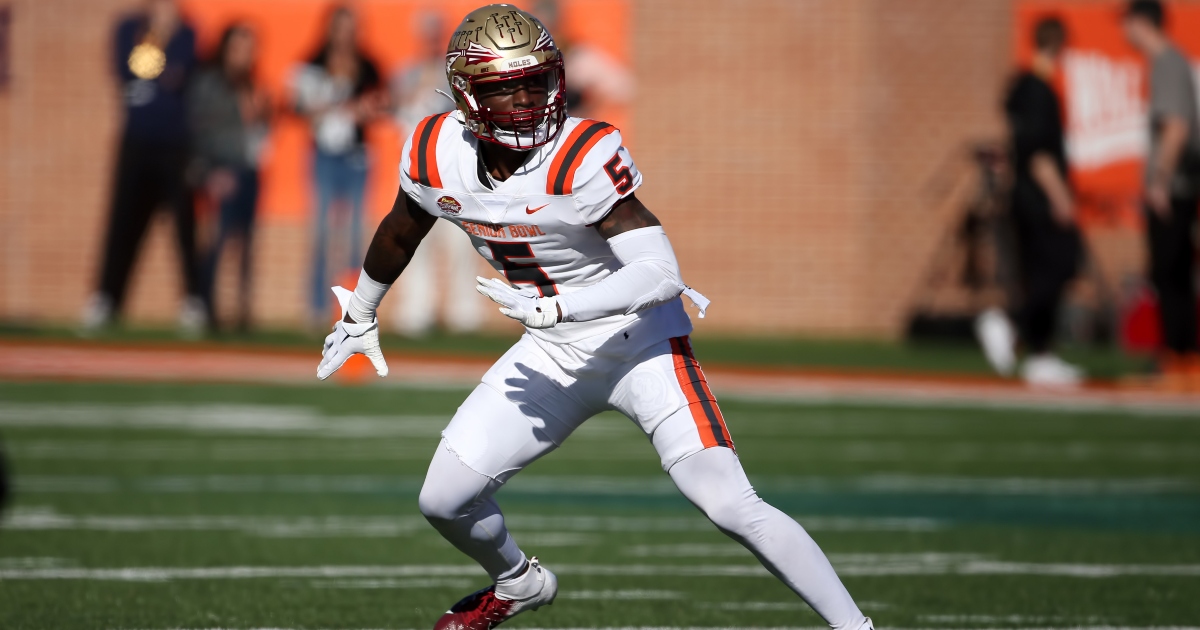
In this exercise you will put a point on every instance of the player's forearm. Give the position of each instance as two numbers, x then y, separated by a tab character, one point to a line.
393	246
650	277
1166	159
385	260
396	240
387	255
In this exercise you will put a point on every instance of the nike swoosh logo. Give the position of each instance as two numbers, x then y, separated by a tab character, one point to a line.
528	210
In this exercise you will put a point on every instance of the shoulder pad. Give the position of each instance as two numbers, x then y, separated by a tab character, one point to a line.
599	174
560	180
419	163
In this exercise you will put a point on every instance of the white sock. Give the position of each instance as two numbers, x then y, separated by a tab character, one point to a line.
520	585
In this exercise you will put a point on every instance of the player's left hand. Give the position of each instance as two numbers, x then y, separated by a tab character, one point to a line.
348	339
533	311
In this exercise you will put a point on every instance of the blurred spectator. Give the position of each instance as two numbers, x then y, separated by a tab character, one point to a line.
415	91
154	52
339	91
415	86
228	114
1049	244
1172	188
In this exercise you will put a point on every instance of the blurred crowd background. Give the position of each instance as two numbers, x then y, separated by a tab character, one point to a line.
853	168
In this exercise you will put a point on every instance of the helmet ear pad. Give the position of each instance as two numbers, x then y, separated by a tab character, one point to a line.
519	129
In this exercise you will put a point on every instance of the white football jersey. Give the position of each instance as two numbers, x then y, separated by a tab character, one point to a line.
536	227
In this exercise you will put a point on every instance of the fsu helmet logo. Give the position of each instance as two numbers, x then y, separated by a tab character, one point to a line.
473	54
449	205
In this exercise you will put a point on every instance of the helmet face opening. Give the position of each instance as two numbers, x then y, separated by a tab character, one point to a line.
536	100
506	78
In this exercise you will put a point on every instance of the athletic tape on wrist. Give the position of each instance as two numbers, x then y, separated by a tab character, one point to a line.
366	298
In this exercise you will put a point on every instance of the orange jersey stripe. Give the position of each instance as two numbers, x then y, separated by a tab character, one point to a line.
701	403
422	156
681	374
572	151
708	394
583	151
557	162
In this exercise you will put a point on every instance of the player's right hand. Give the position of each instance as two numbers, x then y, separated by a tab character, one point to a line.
523	306
349	339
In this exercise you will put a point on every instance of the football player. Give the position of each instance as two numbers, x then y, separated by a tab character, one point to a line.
550	202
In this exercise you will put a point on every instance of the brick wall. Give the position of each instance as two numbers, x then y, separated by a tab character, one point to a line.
789	146
59	124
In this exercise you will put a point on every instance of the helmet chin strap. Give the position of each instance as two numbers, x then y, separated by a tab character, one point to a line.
520	140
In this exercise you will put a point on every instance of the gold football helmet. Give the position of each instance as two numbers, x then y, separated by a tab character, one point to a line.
500	43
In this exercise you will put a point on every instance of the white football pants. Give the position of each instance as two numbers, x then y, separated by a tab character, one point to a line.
526	406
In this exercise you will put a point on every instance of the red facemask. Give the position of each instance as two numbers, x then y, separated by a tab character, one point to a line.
520	129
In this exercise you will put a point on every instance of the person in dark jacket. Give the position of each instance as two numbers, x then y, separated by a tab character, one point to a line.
228	116
154	53
1049	245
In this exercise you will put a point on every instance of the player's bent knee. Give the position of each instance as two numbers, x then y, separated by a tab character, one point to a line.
437	506
451	489
715	483
731	516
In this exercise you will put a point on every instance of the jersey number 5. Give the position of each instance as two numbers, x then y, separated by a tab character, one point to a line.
621	177
521	273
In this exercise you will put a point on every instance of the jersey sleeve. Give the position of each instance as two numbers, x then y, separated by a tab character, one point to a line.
406	182
419	170
606	175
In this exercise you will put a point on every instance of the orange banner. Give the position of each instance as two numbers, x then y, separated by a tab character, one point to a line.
289	31
1103	86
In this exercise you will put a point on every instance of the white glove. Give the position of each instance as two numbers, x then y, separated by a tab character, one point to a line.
533	311
348	339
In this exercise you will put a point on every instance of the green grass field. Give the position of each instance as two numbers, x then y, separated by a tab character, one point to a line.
203	506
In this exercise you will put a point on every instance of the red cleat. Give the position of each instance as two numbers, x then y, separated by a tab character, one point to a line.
484	610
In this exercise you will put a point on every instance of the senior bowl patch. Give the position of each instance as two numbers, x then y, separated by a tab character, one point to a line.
449	205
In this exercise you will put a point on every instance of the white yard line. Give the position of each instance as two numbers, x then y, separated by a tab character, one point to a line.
897	565
656	486
204	418
627	594
395	584
264	526
1065	627
827	628
1016	620
190	447
695	523
553	531
755	606
193	449
171	484
688	550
